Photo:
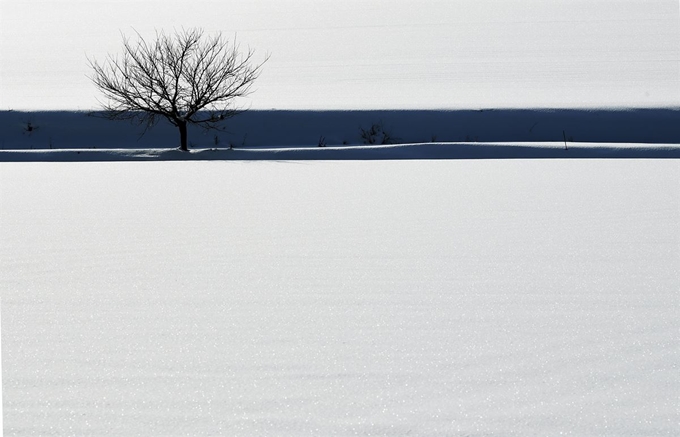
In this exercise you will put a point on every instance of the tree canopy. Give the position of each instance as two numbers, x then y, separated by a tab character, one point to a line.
188	77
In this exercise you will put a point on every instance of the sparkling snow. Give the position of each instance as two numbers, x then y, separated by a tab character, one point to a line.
341	298
457	298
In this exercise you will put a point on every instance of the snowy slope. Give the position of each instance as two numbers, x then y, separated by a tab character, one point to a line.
452	298
371	54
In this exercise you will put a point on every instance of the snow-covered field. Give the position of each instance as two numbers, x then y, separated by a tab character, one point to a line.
370	54
283	289
317	298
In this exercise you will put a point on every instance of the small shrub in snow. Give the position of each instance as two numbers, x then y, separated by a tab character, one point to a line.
243	142
376	134
29	128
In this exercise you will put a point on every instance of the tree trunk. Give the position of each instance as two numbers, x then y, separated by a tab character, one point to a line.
182	125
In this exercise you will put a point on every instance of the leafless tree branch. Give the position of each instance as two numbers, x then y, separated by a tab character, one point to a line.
187	78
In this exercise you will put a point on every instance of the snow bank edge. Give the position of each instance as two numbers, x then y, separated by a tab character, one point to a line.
552	150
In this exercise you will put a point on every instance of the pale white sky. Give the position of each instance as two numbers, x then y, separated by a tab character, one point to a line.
370	53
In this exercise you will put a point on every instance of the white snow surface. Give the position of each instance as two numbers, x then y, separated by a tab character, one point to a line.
368	54
319	298
284	289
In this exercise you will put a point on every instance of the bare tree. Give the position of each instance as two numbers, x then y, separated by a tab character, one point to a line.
186	78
